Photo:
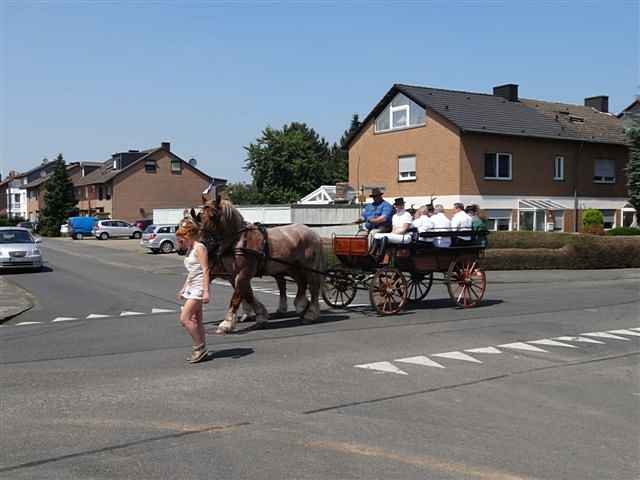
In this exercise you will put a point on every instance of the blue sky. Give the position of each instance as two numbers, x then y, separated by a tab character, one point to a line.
91	78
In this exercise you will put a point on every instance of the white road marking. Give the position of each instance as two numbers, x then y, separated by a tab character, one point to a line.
382	367
457	356
604	335
483	350
64	319
591	310
635	328
522	346
420	360
580	339
625	332
97	315
129	314
27	323
161	310
551	343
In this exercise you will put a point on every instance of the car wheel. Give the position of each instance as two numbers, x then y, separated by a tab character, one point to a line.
136	235
79	236
166	247
104	236
154	250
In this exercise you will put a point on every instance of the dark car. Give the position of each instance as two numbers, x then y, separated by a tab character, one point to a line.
28	225
143	224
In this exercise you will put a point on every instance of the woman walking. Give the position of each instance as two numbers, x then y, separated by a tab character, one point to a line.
195	291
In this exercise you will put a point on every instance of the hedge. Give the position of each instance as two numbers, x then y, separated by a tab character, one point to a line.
626	231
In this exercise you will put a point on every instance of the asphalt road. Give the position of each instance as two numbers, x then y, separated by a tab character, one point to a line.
532	384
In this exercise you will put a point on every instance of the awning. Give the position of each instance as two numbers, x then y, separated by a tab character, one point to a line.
539	205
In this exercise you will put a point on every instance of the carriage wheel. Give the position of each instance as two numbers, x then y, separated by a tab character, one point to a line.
388	291
339	288
466	283
419	285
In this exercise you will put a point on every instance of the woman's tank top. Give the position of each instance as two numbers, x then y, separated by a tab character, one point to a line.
195	274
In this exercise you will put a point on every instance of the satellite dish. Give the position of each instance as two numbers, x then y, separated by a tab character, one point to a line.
193	162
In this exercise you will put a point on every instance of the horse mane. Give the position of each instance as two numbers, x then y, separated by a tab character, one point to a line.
231	220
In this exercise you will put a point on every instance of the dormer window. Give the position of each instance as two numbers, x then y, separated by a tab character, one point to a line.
402	112
150	166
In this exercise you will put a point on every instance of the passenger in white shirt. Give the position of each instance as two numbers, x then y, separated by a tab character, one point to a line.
423	223
400	225
441	222
461	220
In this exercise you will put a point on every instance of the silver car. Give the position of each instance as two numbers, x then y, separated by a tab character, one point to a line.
105	229
19	249
160	238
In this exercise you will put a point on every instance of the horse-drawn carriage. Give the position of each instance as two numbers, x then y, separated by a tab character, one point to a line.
405	272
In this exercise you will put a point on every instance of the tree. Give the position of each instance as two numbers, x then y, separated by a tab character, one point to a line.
59	200
242	193
287	164
339	153
633	168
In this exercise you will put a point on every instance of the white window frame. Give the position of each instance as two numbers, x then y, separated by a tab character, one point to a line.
497	177
178	163
398	108
601	179
558	173
407	178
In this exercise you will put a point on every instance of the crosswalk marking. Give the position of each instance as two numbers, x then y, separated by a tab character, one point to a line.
522	346
420	360
64	319
382	367
457	356
129	314
551	343
161	310
97	315
635	328
625	332
604	335
28	323
491	350
580	340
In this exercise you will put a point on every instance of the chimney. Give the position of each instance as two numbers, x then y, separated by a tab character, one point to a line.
166	146
600	103
508	91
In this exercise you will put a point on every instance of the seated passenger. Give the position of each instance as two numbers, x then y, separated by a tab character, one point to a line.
400	225
440	223
376	215
423	224
460	221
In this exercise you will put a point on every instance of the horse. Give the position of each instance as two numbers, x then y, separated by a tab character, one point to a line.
250	250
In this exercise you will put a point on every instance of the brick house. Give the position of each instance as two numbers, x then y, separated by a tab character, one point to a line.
35	190
529	164
13	194
131	184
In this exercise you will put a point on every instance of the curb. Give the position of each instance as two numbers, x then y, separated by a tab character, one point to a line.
13	300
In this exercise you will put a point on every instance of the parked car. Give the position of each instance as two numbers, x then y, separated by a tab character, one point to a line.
19	249
80	227
160	238
64	229
143	224
105	229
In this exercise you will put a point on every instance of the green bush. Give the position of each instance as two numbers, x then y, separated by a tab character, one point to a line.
10	222
591	216
624	231
526	240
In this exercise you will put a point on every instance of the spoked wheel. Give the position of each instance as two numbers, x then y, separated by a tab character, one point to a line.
419	285
466	283
388	291
339	288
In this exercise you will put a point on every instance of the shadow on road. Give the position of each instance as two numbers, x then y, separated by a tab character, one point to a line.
27	271
231	353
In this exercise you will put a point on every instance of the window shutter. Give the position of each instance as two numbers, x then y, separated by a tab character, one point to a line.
407	164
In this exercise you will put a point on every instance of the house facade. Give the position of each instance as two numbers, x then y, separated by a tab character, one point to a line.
131	184
528	164
14	200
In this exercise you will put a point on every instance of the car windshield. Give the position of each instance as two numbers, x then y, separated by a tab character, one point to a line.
150	229
15	236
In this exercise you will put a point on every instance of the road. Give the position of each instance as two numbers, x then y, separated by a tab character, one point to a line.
539	382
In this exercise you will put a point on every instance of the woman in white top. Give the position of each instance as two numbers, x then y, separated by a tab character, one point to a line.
423	223
441	222
400	225
195	290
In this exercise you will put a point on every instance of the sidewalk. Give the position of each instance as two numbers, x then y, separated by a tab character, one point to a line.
13	300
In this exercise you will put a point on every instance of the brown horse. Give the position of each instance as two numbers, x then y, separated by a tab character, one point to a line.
247	250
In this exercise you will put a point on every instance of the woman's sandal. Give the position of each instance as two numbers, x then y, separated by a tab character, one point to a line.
199	353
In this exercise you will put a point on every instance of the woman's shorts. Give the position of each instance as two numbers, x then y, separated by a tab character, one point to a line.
193	293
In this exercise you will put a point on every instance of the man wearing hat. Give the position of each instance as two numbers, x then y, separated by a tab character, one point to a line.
377	215
400	225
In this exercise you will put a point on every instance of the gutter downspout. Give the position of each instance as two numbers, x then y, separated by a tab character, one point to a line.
575	189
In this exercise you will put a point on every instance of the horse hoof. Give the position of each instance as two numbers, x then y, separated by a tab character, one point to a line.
260	325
